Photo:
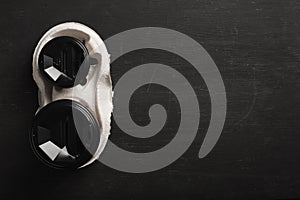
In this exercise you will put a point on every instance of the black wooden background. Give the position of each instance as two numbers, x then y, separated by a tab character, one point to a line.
255	45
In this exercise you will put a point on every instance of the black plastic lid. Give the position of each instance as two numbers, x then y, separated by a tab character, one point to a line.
65	134
60	60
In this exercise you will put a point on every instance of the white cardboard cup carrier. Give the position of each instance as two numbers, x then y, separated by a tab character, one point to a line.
96	94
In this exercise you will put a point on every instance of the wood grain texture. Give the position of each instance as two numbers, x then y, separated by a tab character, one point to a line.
255	45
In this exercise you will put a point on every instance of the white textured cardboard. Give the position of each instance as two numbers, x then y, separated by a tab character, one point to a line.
96	94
